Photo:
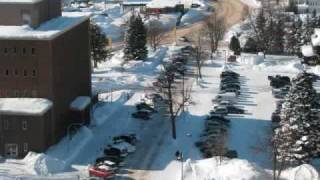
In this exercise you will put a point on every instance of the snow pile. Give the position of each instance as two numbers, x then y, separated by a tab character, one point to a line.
236	169
307	51
210	169
42	164
315	38
252	3
251	59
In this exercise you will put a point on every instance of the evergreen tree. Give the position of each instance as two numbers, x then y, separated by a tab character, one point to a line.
277	46
261	30
99	51
298	133
250	46
136	40
235	45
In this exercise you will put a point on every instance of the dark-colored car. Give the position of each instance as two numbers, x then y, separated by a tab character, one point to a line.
144	115
235	110
275	117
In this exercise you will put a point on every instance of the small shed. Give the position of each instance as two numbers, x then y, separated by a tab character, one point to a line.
80	110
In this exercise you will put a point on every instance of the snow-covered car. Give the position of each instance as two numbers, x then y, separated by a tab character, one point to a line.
129	138
220	110
113	151
124	147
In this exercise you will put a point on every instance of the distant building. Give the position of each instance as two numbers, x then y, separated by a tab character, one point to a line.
311	53
45	74
308	6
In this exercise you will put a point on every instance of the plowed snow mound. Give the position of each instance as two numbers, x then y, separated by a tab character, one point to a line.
41	164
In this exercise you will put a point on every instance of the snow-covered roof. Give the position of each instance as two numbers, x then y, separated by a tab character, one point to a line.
24	106
80	103
307	51
315	38
47	30
136	2
19	1
163	3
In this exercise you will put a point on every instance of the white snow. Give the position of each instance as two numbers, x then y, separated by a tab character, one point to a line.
19	1
252	3
47	30
250	59
315	38
24	106
307	51
80	103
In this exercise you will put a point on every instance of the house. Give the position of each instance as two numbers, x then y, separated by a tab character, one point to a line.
134	5
308	6
165	6
45	74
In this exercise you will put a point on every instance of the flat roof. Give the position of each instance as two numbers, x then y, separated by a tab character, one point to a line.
46	31
80	103
24	106
19	1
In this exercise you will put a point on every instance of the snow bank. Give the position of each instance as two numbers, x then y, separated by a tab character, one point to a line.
42	164
251	59
236	169
307	51
210	169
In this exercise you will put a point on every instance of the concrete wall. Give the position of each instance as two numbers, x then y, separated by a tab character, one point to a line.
36	135
11	13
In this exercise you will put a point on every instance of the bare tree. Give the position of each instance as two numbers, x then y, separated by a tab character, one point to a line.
215	29
155	33
199	43
172	93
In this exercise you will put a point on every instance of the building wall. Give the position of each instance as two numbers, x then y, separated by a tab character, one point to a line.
72	72
30	133
12	14
58	70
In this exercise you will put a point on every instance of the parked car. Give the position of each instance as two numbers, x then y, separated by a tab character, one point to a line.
230	90
129	138
144	115
232	58
221	110
235	110
275	117
231	97
101	173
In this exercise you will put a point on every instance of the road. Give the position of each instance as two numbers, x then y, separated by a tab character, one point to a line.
139	164
232	10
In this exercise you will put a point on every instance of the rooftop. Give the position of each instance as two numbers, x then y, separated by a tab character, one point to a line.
47	30
24	106
19	1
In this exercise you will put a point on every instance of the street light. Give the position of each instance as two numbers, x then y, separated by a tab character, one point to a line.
179	157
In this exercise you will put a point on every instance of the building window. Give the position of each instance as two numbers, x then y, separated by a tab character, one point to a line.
14	50
24	51
6	124
34	73
5	50
7	72
33	51
16	72
25	72
24	125
25	147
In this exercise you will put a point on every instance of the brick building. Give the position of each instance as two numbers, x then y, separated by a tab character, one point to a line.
44	64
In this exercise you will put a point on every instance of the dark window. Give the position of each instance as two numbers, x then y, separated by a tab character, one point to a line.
24	125
34	73
24	51
33	51
7	72
6	124
25	72
25	147
5	50
14	50
16	72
